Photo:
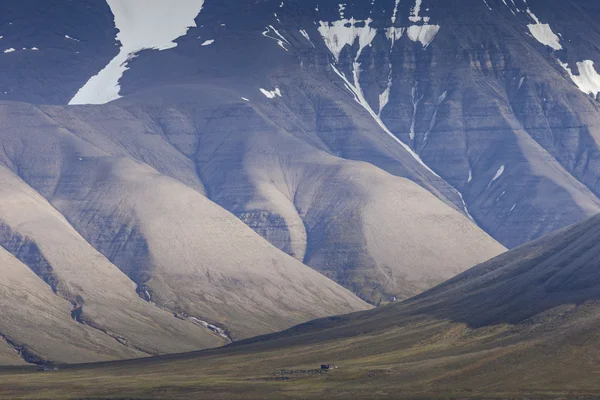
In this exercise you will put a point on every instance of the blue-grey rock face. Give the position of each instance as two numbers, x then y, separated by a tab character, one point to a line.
469	86
57	46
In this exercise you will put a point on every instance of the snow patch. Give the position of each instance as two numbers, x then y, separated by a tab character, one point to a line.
384	97
271	94
306	36
394	34
543	33
339	34
498	175
423	33
588	80
414	16
142	24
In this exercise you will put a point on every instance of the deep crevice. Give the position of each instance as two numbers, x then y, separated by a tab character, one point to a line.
220	331
24	352
28	252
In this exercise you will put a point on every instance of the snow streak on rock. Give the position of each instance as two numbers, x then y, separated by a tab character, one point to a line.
384	97
345	32
306	36
434	117
142	24
395	11
274	34
498	175
423	33
360	99
415	17
415	103
271	94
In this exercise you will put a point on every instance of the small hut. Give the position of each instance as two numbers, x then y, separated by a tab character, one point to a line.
327	367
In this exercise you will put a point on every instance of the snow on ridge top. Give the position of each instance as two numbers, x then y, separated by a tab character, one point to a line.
142	24
153	24
344	32
543	33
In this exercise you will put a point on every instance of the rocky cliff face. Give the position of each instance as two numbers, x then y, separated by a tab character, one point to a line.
497	100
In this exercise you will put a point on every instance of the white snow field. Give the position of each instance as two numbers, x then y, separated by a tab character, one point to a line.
142	24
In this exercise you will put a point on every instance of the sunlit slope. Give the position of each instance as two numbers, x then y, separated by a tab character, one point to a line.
65	263
174	248
523	324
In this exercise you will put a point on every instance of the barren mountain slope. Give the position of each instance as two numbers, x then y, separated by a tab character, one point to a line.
36	323
524	324
106	298
177	249
460	97
9	356
379	235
